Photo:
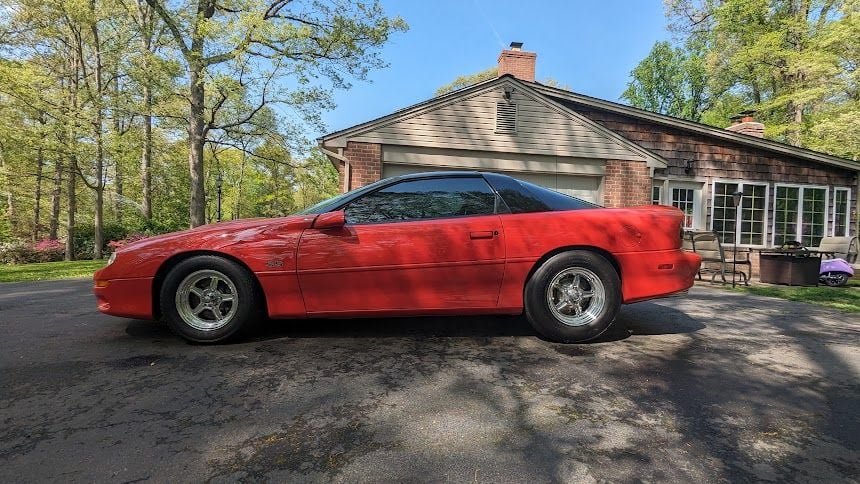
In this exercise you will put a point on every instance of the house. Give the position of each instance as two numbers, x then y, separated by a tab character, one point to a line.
612	154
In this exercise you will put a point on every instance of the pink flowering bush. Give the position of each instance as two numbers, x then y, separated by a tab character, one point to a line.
25	252
116	244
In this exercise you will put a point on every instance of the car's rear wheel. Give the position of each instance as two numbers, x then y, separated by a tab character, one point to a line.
573	296
207	299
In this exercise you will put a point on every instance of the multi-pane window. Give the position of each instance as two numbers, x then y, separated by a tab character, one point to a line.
785	209
800	214
746	224
682	198
656	198
840	212
753	210
813	219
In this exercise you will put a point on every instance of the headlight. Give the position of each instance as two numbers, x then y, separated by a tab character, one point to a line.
111	259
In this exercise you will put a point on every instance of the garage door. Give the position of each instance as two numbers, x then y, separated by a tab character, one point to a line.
584	187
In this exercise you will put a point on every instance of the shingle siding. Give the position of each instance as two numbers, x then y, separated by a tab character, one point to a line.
714	158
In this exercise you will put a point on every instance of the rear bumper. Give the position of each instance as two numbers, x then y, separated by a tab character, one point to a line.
650	275
127	298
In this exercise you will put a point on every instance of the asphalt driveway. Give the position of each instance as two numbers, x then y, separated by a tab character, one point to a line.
715	386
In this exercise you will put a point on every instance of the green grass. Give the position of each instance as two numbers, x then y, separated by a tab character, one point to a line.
846	298
46	271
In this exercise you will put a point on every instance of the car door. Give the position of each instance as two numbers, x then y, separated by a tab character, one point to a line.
419	245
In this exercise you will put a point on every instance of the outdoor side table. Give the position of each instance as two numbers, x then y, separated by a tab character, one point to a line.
789	267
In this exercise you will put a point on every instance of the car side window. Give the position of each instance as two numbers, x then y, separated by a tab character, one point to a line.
424	199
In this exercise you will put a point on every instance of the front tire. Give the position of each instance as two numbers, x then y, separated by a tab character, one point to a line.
573	297
835	279
208	299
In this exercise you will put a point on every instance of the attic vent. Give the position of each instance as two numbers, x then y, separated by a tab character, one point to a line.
506	117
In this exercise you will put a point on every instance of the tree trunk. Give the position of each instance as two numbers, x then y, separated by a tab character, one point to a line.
72	208
146	159
37	203
56	193
795	114
196	140
119	132
98	132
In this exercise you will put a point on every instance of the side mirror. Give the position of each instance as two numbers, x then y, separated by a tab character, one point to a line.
330	220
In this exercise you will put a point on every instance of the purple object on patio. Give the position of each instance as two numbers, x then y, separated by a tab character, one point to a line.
835	272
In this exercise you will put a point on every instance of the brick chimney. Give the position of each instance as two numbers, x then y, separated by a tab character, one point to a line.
745	123
517	63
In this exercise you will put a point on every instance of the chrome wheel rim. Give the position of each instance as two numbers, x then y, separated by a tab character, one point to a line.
576	296
207	300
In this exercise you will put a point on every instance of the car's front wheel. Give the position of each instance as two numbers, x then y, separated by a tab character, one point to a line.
572	297
207	299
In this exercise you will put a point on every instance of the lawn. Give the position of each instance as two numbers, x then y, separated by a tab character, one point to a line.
846	298
46	271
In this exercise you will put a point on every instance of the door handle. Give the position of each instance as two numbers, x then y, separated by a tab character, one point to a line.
484	234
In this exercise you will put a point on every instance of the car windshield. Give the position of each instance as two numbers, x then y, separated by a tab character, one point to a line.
334	202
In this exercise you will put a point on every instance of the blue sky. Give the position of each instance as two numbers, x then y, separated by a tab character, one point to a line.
589	45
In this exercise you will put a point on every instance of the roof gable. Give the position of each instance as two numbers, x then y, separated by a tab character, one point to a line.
466	119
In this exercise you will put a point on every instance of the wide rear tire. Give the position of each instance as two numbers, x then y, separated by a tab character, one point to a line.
573	297
209	299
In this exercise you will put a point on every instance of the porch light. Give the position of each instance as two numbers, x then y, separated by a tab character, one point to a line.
689	165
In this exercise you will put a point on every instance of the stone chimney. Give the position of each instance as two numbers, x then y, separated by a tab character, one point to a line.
517	63
745	123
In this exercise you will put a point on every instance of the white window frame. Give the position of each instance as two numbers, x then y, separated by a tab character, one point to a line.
740	184
799	222
659	188
847	213
697	188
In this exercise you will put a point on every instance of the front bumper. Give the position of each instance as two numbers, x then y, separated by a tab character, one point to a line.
127	298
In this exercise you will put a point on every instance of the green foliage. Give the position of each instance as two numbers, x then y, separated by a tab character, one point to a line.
5	229
468	80
84	238
268	185
671	80
844	298
79	80
794	62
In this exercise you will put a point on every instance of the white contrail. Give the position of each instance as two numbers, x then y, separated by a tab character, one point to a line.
487	19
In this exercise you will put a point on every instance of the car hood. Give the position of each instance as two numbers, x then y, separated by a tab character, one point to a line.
223	233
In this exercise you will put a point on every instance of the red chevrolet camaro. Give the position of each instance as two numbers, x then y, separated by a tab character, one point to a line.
430	243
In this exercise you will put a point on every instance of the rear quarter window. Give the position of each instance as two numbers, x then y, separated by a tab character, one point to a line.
525	197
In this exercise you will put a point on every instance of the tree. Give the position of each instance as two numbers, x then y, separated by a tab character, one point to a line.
791	60
303	40
670	80
468	80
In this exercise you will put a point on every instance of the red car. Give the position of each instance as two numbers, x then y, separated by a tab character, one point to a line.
431	243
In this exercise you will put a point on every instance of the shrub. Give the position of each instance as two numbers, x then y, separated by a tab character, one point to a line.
85	238
116	244
24	252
